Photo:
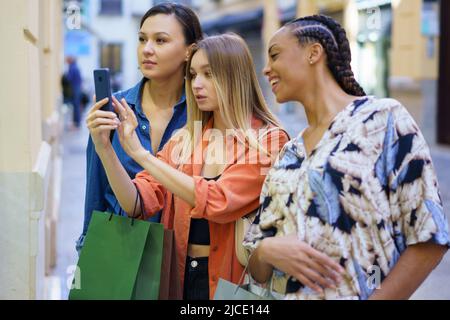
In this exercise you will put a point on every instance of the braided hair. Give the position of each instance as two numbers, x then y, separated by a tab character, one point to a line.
330	34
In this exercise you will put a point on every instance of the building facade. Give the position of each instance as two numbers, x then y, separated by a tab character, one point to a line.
106	37
30	154
395	43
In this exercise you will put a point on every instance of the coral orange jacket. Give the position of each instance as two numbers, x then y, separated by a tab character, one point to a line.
222	202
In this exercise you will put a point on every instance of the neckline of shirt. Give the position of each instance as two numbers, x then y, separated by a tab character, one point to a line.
347	110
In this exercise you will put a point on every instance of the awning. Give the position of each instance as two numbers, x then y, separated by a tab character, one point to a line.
242	21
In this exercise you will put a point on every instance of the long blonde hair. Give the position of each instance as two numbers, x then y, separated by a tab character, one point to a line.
238	92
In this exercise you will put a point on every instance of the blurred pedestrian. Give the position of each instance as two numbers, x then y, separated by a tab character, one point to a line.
357	184
66	89
75	83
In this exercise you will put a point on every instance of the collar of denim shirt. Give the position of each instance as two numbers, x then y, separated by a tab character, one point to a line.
133	97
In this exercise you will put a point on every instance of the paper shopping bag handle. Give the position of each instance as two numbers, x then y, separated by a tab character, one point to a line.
134	209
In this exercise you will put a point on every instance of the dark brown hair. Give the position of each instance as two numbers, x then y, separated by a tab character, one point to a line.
185	16
329	33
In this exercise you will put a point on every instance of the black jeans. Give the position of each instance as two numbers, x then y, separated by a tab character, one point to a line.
196	279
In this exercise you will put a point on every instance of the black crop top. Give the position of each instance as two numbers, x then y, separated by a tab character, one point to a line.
199	230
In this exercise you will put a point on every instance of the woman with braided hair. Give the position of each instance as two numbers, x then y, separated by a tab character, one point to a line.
357	184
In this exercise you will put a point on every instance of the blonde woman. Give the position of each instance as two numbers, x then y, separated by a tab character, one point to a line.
204	181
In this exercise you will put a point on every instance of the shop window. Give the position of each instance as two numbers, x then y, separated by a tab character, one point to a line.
111	7
111	57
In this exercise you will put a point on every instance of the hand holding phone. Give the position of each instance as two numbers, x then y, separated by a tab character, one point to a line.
103	87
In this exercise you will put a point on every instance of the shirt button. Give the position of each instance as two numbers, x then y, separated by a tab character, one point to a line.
144	127
215	248
194	264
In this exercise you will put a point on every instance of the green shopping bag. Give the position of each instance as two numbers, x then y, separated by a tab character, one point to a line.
121	259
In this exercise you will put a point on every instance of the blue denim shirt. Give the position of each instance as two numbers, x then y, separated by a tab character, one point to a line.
99	195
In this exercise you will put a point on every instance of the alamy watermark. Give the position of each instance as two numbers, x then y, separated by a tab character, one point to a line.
73	280
73	16
232	146
373	20
374	278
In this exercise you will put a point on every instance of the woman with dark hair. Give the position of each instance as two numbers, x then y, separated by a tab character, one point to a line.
357	184
167	33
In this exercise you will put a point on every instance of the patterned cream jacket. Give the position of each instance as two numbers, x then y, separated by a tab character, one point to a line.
366	192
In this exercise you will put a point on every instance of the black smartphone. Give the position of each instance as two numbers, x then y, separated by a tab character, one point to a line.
103	87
